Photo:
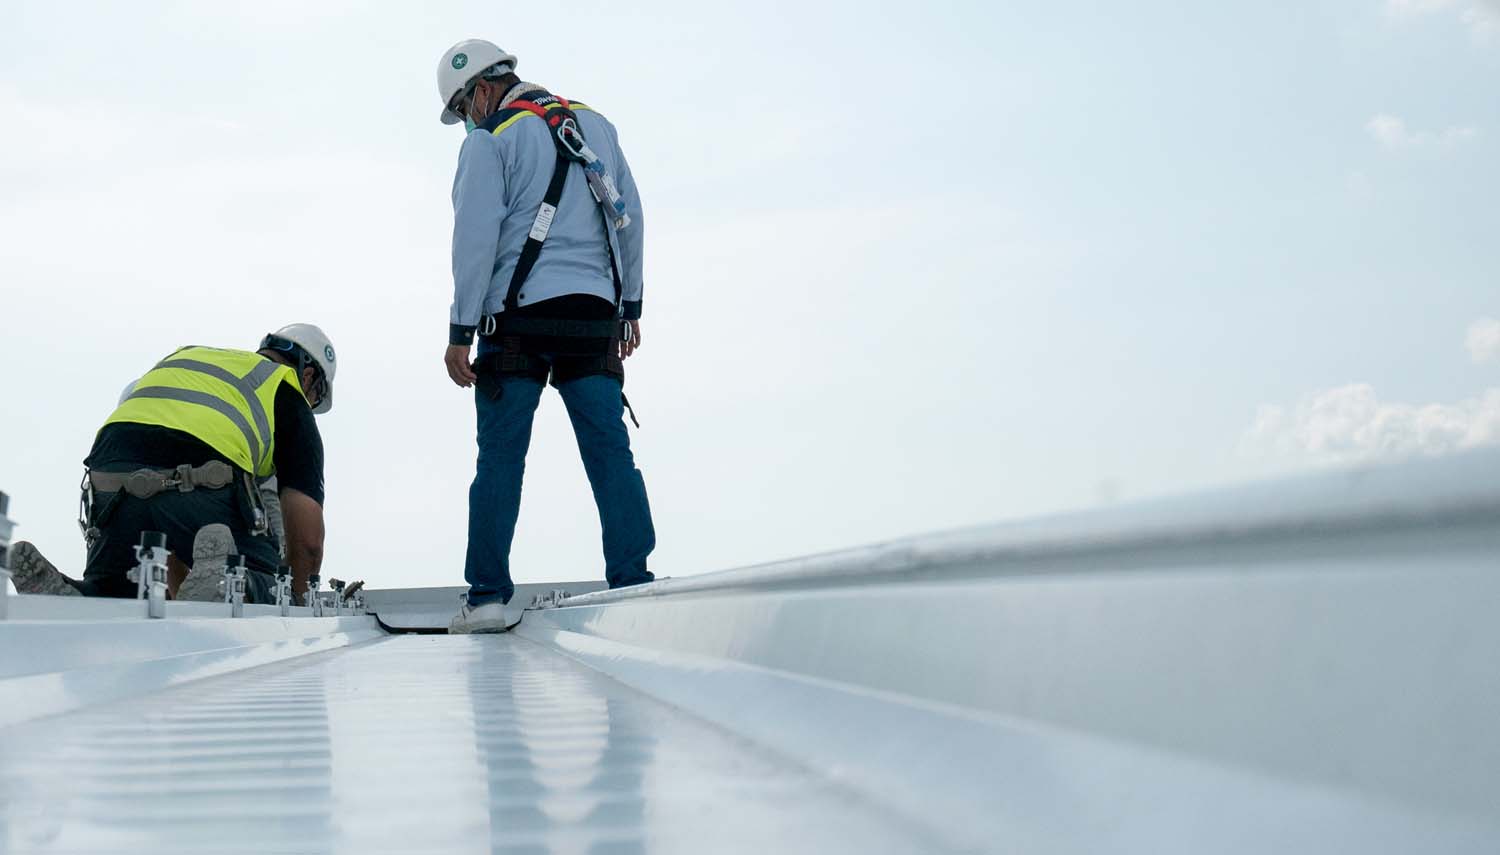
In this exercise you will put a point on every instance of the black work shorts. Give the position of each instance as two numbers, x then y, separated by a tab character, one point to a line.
120	518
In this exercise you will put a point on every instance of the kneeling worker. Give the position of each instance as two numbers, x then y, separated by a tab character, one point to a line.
181	456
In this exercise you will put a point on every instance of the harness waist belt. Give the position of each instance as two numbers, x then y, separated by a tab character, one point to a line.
145	483
555	327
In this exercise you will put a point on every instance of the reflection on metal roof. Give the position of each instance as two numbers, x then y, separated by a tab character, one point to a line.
438	743
1305	666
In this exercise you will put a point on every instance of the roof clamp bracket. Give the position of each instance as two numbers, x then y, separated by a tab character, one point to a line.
338	586
551	600
150	573
284	590
234	587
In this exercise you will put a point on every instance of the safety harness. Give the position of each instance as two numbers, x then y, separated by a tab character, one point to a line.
509	326
567	138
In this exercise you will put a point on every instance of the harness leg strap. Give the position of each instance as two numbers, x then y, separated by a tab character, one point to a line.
629	409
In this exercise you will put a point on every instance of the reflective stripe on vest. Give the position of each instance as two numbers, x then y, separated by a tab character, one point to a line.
222	397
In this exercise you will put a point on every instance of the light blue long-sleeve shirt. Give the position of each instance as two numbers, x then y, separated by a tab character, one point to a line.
499	186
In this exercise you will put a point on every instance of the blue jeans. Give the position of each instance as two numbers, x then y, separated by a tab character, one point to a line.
597	413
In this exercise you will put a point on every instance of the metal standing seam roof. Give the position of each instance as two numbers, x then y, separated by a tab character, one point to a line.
422	742
1303	666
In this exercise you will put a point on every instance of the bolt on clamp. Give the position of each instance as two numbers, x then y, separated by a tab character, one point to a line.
234	587
550	600
284	589
150	573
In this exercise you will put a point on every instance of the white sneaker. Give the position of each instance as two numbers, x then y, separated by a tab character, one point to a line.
489	617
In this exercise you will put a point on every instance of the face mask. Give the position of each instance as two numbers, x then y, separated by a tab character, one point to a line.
469	124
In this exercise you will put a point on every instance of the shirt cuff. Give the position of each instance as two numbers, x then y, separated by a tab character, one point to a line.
460	334
632	310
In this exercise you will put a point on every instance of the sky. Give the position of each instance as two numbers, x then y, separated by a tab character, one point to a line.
908	267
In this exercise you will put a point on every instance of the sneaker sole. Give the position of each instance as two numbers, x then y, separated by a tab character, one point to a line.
32	573
212	547
482	627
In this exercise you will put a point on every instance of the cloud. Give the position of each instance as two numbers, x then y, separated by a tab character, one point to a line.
1481	17
1351	423
1391	132
1483	340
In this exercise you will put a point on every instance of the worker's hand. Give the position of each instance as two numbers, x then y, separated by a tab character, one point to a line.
630	338
459	368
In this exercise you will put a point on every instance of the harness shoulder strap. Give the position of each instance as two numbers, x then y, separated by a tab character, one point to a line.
558	114
539	228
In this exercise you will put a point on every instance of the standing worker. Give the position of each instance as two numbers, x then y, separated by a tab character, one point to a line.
547	238
182	454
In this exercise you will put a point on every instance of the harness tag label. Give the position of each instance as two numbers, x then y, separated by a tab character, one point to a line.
543	222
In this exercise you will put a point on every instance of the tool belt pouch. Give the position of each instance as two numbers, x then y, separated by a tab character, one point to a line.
252	508
146	483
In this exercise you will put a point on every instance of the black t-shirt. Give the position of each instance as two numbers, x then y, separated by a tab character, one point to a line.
298	455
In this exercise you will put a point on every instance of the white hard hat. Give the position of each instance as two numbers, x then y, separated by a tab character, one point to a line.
462	63
315	342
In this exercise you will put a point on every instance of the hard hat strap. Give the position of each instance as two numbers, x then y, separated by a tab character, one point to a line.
304	360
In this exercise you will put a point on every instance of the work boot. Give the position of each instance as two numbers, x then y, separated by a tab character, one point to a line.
489	617
34	574
212	547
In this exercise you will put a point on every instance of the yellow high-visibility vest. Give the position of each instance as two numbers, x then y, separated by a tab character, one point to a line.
226	398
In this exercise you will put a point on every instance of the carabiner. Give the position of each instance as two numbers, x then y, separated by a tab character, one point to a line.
571	139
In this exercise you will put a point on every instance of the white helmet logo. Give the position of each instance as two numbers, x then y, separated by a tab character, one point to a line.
328	352
460	60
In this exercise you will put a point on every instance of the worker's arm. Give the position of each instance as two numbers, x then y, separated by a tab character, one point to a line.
304	535
630	242
631	239
478	210
299	480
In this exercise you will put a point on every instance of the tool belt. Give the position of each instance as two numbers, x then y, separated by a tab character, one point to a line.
145	483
